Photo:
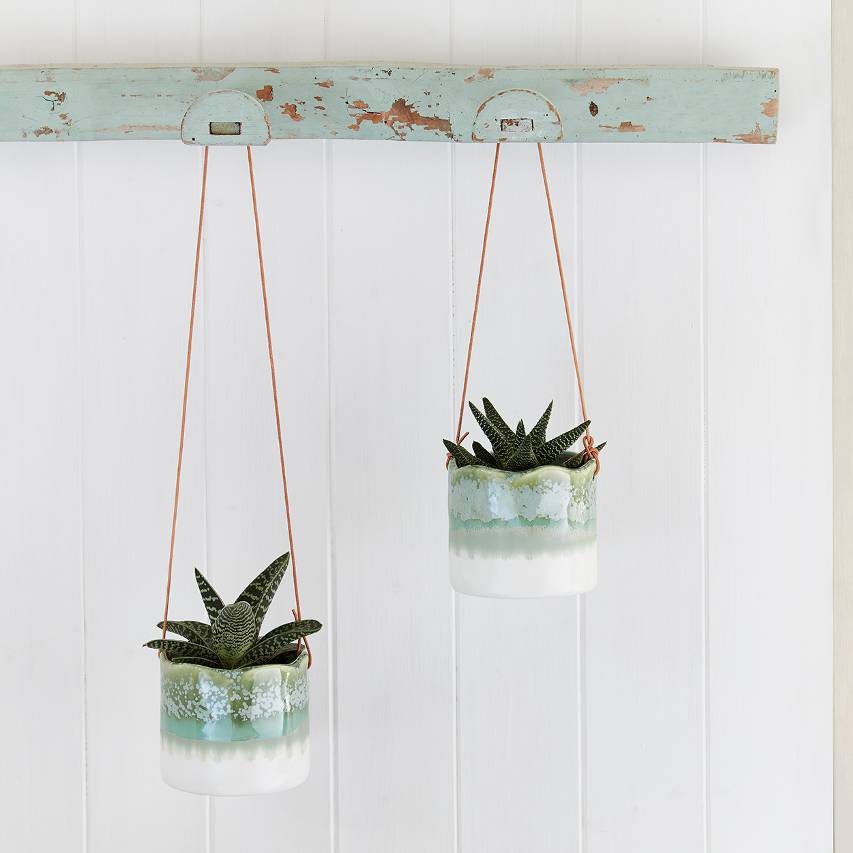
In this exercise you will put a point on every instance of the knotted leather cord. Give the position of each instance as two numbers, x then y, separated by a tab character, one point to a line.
589	444
297	611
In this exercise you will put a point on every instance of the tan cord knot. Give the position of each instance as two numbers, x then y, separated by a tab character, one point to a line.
591	451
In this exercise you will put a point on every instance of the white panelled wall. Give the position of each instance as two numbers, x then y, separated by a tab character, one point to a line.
684	706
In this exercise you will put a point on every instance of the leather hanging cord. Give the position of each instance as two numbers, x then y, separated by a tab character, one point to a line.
588	442
186	392
298	610
459	436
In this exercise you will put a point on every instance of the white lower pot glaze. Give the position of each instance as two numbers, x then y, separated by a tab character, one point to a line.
234	732
528	534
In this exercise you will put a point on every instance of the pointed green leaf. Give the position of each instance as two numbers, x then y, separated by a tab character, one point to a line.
549	452
213	664
523	458
500	443
460	454
178	647
212	602
497	421
578	460
196	632
483	455
519	430
273	643
539	432
260	592
293	630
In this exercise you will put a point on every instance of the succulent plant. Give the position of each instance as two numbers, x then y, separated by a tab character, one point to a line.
232	640
516	449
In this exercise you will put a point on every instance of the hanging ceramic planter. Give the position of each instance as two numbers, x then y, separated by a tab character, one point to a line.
522	515
233	701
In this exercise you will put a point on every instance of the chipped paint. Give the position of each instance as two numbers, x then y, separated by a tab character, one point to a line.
211	74
292	111
402	115
756	136
54	98
771	108
44	131
595	85
482	74
717	139
624	127
672	104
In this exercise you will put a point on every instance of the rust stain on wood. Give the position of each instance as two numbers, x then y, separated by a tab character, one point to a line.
326	84
482	74
361	105
210	74
264	94
595	85
771	108
624	127
399	116
593	108
291	111
756	136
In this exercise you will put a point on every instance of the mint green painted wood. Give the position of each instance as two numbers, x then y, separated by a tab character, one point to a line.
399	102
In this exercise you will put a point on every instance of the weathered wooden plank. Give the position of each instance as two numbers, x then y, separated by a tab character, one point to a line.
400	102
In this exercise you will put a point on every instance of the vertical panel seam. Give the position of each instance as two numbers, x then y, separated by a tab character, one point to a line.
705	461
581	602
704	498
78	183
454	601
209	811
81	368
331	574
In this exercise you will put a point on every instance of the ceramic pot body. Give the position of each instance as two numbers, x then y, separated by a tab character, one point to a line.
522	535
234	732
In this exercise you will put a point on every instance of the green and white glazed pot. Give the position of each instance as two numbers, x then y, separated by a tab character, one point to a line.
233	732
528	534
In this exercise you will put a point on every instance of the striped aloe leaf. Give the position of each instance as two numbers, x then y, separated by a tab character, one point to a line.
260	592
276	641
518	450
195	632
212	602
231	640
